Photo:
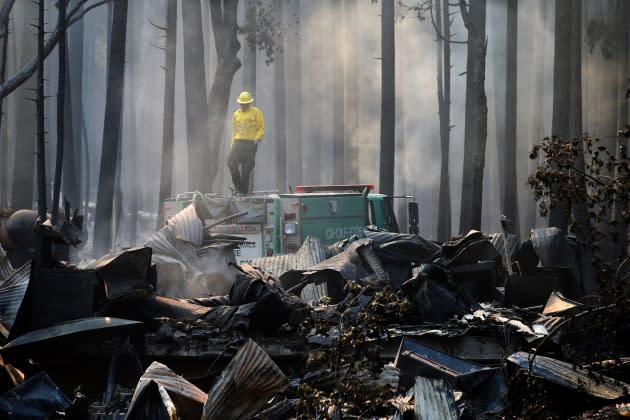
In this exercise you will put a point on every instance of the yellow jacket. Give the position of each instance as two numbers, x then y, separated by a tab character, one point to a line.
248	125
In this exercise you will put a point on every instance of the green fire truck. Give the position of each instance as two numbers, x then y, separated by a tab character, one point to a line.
278	223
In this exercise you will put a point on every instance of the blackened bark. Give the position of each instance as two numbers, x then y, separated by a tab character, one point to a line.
388	99
509	196
476	125
227	45
111	130
294	92
444	110
41	140
352	90
4	138
168	128
200	165
280	106
25	138
339	118
560	120
61	87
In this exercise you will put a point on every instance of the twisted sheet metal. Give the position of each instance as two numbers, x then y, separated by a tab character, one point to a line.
6	269
11	296
310	253
246	384
168	382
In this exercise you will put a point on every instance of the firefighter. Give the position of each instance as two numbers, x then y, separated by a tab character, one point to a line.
248	129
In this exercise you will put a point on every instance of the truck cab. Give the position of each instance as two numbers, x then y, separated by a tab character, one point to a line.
279	223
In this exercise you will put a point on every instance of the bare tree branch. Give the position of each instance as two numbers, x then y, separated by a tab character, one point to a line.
439	33
161	28
27	71
4	16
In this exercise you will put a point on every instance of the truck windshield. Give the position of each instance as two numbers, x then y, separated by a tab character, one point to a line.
389	217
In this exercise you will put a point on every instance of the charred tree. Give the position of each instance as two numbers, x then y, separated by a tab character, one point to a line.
476	120
39	101
294	91
338	110
72	175
560	122
250	57
280	106
201	168
61	103
4	138
509	193
225	29
25	139
443	23
351	16
168	128
388	99
111	130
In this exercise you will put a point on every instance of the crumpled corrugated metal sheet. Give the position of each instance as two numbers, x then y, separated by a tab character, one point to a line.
182	272
352	263
513	244
220	207
245	385
6	269
552	247
400	247
571	376
11	297
470	249
37	397
310	253
433	399
190	398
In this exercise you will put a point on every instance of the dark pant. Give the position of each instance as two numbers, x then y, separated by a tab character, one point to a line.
241	163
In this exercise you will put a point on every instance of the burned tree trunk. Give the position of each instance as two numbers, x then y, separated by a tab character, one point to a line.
352	92
61	86
294	91
225	28
509	195
476	125
4	139
280	106
168	130
200	166
444	229
338	110
41	140
24	167
111	130
388	99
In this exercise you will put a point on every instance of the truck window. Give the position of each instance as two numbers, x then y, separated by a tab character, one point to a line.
371	215
389	217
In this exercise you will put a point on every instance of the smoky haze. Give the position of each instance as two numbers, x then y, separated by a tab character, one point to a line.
417	164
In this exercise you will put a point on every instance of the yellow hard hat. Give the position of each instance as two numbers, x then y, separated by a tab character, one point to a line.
245	98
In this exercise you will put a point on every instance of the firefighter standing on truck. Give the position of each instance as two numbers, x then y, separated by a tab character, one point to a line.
248	129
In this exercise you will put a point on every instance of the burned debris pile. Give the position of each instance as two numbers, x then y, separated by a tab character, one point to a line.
380	326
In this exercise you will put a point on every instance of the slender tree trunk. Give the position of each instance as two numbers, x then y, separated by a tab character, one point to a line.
111	130
249	61
61	106
168	130
622	14
560	124
338	72
444	228
4	139
352	89
294	94
280	107
509	196
25	139
227	45
41	140
201	169
476	125
388	99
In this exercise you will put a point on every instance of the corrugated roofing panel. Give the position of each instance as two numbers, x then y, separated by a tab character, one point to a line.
6	269
10	301
571	376
310	253
246	384
434	399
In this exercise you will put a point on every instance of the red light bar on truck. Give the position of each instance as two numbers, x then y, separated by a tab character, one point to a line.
333	188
